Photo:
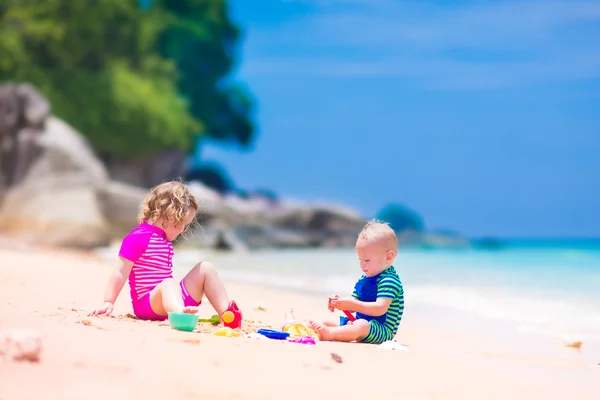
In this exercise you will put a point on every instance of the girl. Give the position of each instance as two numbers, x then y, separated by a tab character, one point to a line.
146	255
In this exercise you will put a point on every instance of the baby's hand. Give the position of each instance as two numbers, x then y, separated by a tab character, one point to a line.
341	303
329	303
106	309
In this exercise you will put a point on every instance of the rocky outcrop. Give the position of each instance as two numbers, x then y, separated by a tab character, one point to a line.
119	204
23	112
52	180
56	203
55	191
150	170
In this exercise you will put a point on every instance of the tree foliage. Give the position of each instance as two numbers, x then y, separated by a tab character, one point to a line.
401	218
125	76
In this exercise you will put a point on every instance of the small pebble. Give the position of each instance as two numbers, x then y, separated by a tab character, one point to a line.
335	357
574	344
21	345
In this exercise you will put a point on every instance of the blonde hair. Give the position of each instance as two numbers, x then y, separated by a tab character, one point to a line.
376	231
169	201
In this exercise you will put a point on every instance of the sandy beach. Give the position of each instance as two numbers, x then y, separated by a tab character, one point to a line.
449	356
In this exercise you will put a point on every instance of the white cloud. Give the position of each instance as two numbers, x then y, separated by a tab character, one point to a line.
470	46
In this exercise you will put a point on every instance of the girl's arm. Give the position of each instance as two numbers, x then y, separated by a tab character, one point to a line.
115	285
117	280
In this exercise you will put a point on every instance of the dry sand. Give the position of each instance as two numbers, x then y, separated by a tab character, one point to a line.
83	357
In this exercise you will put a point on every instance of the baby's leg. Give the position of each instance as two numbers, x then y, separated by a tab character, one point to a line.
347	333
202	280
166	297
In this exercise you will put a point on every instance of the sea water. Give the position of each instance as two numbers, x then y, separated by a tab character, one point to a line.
547	287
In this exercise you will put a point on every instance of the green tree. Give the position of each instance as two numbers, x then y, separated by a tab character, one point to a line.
202	39
401	218
104	67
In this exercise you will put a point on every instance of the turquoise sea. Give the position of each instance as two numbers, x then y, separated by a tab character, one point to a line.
545	287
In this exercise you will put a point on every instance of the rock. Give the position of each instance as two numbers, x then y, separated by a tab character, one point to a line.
55	191
120	203
10	109
211	202
56	203
227	240
322	225
21	345
23	112
35	106
150	170
252	211
260	236
574	344
233	222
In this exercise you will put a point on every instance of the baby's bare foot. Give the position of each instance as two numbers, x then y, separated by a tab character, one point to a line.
323	330
190	310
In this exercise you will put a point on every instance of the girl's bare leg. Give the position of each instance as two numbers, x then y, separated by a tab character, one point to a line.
204	279
166	297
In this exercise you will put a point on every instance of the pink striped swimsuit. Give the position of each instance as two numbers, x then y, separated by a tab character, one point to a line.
152	255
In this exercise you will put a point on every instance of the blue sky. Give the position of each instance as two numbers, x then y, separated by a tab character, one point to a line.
482	116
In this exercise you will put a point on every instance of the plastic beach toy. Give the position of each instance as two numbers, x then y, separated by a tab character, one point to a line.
303	340
297	330
226	331
214	320
232	317
273	334
183	321
351	317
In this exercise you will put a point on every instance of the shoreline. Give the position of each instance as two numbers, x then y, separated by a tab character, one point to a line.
459	309
110	358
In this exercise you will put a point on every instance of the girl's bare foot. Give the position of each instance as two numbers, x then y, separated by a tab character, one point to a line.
322	329
190	310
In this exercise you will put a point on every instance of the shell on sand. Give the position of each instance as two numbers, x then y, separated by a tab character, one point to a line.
21	345
392	345
575	344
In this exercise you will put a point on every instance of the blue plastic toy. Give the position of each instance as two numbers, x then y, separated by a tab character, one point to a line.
273	334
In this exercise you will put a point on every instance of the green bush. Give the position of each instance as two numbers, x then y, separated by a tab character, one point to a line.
401	218
120	75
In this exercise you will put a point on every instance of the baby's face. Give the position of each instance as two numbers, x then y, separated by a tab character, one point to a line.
374	257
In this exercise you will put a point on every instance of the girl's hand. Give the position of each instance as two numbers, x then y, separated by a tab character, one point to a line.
106	309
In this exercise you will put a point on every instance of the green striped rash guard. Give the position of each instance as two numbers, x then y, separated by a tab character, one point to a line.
385	285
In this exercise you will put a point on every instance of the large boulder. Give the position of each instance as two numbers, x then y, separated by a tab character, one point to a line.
23	112
55	191
149	170
260	223
120	204
56	203
326	225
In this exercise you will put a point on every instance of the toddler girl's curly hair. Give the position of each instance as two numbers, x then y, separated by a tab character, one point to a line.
170	201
